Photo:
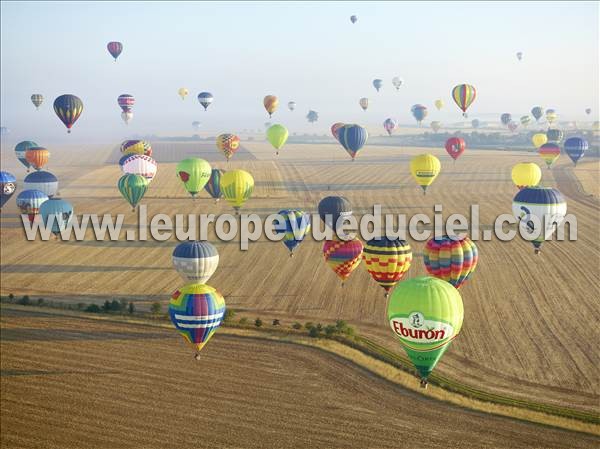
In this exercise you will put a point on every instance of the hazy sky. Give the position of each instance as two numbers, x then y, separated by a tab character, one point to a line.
307	52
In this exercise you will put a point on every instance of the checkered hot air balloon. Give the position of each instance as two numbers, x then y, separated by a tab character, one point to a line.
228	144
343	256
37	100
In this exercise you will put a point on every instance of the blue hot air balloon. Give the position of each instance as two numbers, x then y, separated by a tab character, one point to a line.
56	212
213	186
377	84
30	201
205	99
20	150
196	261
575	147
419	112
8	185
295	226
336	206
352	138
43	181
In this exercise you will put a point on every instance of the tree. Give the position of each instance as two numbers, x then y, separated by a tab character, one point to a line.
276	323
156	308
93	308
106	306
313	332
131	308
40	301
341	325
229	314
24	301
330	330
115	306
258	322
297	326
11	296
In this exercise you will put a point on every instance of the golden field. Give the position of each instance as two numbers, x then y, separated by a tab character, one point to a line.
530	327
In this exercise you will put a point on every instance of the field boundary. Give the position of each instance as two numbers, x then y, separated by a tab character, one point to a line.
384	364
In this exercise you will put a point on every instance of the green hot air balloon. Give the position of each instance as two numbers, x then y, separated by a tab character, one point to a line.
133	187
277	136
425	313
194	173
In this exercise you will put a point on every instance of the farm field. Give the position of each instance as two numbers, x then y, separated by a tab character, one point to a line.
76	382
530	326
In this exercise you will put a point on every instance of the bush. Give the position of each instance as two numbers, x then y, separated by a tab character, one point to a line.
11	296
341	325
155	308
349	331
243	321
297	326
330	330
131	308
24	301
258	322
106	306
115	306
276	323
40	301
309	326
229	314
93	308
313	332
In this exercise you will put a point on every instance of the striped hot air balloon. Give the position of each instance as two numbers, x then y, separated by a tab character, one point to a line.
352	138
387	260
343	256
452	260
37	100
464	95
237	187
575	147
294	227
136	147
68	108
205	99
549	152
37	157
30	201
213	186
43	181
197	311
195	261
139	164
20	150
133	188
126	102
115	49
335	128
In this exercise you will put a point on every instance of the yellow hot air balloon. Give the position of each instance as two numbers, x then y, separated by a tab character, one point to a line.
526	174
425	168
271	102
183	92
237	186
539	139
277	136
439	104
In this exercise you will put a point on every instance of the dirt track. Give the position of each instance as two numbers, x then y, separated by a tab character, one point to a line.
70	382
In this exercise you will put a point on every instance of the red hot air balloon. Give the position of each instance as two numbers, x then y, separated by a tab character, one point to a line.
115	49
455	146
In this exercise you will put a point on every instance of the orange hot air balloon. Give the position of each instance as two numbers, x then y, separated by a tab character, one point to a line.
271	102
37	157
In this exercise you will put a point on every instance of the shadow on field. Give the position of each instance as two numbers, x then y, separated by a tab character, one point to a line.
45	335
34	372
31	268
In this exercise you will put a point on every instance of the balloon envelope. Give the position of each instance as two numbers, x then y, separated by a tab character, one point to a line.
294	227
336	207
277	136
526	174
455	146
8	186
42	180
424	169
132	188
30	201
451	259
68	108
387	260
237	187
575	147
195	261
352	138
343	256
57	213
194	173
115	49
228	144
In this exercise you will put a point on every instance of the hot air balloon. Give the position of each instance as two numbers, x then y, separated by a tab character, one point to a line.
526	174
195	261
451	259
331	208
8	185
68	108
364	103
424	169
343	256
554	135
419	112
353	19
335	128
270	102
575	147
519	55
397	82
377	84
37	157
183	92
312	116
540	210
512	126
43	181
506	118
475	123
294	227
277	136
133	188
57	213
30	201
387	260
435	125
464	95
455	146
291	105
20	150
140	164
539	139
537	113
205	99
228	144
37	100
352	138
126	117
390	125
213	186
237	187
426	314
136	147
194	173
196	125
549	152
197	311
439	104
115	49
525	120
126	102
588	111
551	116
